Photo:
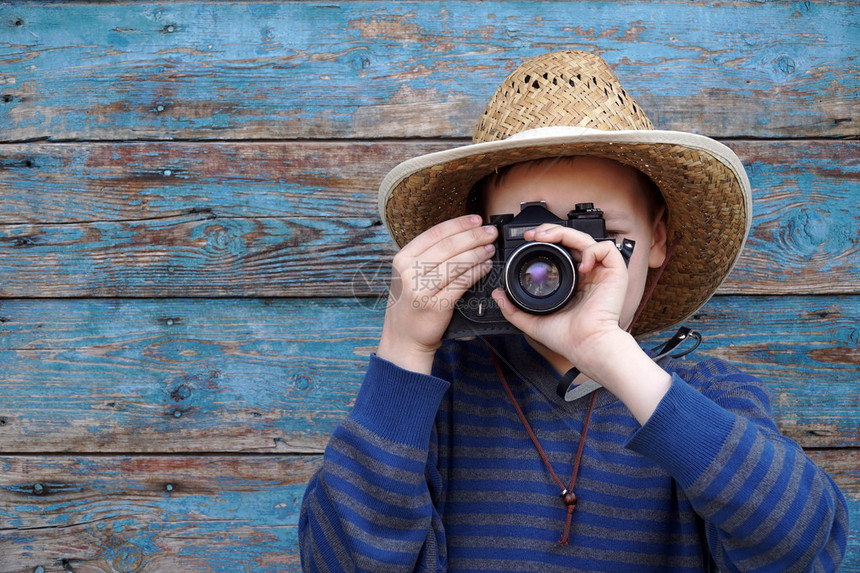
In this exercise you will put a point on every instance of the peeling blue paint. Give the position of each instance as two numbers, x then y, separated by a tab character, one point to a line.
268	75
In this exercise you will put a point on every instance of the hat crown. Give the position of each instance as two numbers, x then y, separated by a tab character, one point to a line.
569	88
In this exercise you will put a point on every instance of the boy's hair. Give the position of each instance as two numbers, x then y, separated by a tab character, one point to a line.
654	201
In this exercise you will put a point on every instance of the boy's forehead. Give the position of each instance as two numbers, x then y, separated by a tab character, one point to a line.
567	177
570	173
614	187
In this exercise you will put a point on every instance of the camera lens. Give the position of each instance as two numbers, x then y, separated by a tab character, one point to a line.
540	278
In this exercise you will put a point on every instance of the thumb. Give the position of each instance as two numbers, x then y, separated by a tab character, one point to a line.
522	320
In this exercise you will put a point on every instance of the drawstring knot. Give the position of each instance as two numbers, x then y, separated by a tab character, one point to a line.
570	501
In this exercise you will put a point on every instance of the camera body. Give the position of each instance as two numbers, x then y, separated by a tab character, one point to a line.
539	278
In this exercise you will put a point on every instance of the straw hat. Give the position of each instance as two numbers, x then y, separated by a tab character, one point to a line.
570	103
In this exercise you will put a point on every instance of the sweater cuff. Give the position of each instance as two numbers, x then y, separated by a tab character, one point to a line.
685	434
397	404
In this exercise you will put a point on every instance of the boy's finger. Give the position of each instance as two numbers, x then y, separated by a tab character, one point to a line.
454	275
451	247
570	238
603	252
583	246
437	233
460	283
462	268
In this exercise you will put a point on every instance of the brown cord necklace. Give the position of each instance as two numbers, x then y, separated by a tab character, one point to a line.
567	493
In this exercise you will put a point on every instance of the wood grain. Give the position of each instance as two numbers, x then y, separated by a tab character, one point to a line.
297	219
145	513
277	375
266	70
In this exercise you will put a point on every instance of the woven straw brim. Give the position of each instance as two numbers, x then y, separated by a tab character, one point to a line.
703	182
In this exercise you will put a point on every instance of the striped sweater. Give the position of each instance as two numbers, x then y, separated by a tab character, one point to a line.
436	473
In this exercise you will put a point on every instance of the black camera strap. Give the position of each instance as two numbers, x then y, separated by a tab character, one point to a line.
680	337
565	382
684	334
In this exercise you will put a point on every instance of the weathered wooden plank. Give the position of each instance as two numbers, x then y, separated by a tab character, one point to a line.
119	181
194	255
128	513
249	70
180	375
180	513
278	375
162	219
86	182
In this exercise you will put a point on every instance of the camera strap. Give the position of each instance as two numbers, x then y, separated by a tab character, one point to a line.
569	394
680	337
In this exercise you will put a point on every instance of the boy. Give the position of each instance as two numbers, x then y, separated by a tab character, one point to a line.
457	455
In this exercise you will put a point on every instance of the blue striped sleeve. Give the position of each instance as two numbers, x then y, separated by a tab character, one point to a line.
369	507
766	505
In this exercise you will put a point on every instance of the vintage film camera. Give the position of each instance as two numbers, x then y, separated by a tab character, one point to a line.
539	278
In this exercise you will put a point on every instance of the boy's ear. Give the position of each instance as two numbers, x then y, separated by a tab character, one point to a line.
659	233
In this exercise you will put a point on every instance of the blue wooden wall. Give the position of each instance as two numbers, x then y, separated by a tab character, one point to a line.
190	250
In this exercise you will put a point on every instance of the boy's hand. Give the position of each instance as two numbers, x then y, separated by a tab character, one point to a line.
588	332
429	275
594	314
